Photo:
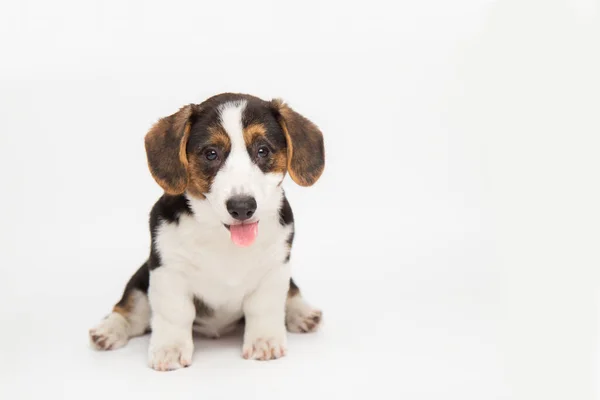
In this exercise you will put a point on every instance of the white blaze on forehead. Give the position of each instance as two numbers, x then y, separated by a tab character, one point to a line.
237	175
231	120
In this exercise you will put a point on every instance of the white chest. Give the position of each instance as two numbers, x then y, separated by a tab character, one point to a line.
218	272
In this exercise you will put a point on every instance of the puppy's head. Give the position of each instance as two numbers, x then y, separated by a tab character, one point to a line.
233	151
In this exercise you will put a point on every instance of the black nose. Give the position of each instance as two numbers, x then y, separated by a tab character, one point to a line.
241	207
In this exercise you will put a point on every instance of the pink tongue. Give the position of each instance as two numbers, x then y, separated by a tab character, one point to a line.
244	235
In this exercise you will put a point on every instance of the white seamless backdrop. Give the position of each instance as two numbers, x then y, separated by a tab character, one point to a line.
451	242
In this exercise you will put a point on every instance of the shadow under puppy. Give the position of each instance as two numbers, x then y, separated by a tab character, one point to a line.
221	233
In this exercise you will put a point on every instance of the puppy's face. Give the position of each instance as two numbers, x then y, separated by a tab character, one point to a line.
237	158
233	152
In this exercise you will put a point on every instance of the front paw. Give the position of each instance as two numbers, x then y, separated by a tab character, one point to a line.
264	348
170	357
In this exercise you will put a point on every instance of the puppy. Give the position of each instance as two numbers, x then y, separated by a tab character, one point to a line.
222	232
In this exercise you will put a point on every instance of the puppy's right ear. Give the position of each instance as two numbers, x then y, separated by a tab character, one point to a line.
166	150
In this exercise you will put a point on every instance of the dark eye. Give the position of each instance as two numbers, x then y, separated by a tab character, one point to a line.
263	151
211	154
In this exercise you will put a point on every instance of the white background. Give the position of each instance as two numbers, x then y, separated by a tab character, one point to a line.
452	241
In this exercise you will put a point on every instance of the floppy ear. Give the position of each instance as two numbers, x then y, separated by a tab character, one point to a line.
305	149
165	149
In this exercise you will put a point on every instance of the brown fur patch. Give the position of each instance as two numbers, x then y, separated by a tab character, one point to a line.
125	307
218	137
182	145
305	148
198	180
254	131
294	289
280	161
120	310
166	159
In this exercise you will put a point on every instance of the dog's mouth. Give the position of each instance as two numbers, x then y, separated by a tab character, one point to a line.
243	234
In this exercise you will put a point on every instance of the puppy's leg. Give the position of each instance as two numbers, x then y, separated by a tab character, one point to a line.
299	315
264	312
130	316
173	312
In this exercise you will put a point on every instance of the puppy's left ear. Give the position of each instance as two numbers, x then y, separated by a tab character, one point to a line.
305	148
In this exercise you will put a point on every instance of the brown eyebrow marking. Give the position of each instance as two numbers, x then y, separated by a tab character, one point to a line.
218	137
257	131
254	131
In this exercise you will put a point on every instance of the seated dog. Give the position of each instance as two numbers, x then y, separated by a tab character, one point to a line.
222	232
